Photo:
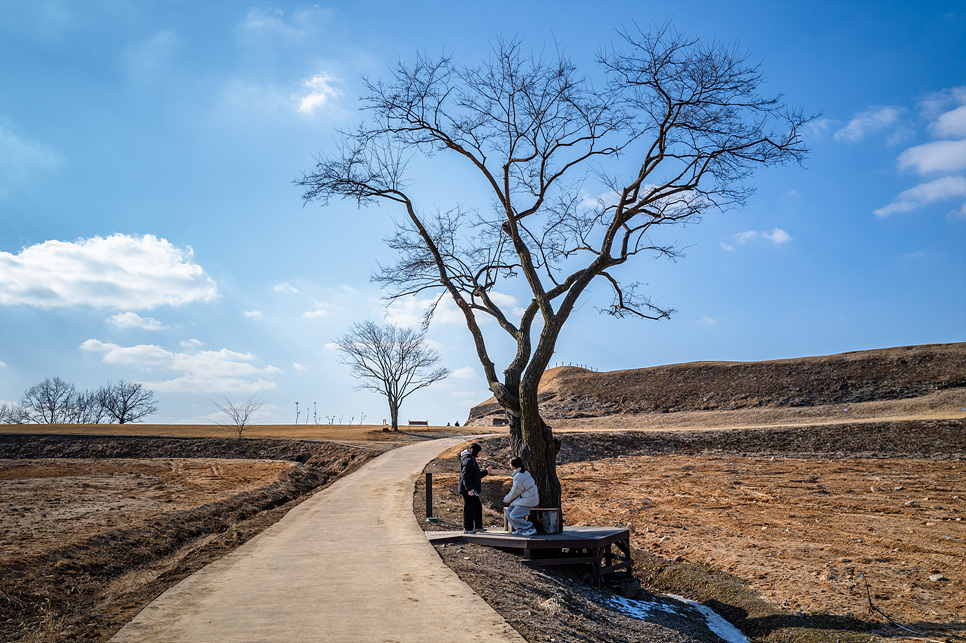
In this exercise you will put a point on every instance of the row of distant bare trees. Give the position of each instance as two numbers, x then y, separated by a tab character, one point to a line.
56	401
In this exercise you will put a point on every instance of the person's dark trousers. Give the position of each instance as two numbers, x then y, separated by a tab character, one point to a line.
472	512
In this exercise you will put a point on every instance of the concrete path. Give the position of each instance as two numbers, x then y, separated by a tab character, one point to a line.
349	564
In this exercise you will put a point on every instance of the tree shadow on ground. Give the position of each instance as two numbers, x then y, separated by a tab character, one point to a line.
823	623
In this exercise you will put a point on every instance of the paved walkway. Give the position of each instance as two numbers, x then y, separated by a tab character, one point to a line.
349	564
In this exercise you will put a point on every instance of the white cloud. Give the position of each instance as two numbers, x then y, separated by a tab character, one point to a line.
21	160
776	236
120	271
707	321
300	367
725	246
937	156
939	190
819	129
946	111
463	373
313	314
198	371
872	120
951	124
133	320
320	92
286	287
253	314
3	365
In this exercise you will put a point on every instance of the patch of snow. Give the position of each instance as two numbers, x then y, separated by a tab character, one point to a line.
642	609
638	609
716	623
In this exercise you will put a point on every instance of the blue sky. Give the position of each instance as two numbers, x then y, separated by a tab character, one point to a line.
150	230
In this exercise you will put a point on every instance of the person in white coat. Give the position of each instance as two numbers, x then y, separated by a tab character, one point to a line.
522	498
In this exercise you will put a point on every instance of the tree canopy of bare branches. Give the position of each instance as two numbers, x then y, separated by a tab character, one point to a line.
581	179
127	402
392	361
55	401
240	414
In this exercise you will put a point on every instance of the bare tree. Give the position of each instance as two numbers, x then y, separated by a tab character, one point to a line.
240	414
52	401
676	128
390	360
88	407
127	402
11	414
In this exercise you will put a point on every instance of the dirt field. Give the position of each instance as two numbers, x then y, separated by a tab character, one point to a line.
50	504
804	533
87	540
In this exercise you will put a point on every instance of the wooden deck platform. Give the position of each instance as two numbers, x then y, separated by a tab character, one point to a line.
575	545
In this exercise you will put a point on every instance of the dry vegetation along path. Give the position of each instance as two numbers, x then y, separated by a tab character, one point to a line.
349	564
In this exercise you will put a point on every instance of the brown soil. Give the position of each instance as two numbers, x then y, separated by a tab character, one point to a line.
95	528
781	531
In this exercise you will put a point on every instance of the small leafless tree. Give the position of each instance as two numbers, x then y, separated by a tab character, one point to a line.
127	402
390	360
240	414
582	175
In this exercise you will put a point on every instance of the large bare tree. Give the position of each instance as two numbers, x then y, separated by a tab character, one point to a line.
580	180
390	360
126	402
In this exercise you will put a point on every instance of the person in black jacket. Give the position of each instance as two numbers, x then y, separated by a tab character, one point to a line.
470	487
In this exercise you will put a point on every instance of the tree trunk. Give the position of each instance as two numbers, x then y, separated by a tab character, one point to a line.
533	441
394	414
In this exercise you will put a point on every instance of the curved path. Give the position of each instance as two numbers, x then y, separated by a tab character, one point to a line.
349	564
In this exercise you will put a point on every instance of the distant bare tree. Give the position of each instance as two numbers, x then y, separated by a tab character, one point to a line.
11	414
392	361
126	402
580	179
49	402
240	414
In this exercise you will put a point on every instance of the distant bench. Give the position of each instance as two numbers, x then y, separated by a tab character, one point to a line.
419	423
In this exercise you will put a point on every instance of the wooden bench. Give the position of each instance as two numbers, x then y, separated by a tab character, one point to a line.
551	518
419	423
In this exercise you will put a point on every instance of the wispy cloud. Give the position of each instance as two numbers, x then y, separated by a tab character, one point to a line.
321	91
133	320
313	314
872	120
707	321
21	160
120	271
946	157
286	287
776	236
937	156
463	373
149	59
202	371
936	191
253	314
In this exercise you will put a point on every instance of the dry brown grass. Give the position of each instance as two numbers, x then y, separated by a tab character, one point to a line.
336	432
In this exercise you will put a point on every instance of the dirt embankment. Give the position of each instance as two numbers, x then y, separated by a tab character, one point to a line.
94	528
905	373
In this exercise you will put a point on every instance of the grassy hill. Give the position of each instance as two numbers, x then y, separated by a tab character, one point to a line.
900	376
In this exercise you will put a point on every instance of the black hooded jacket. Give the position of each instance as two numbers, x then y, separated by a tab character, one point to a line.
470	474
